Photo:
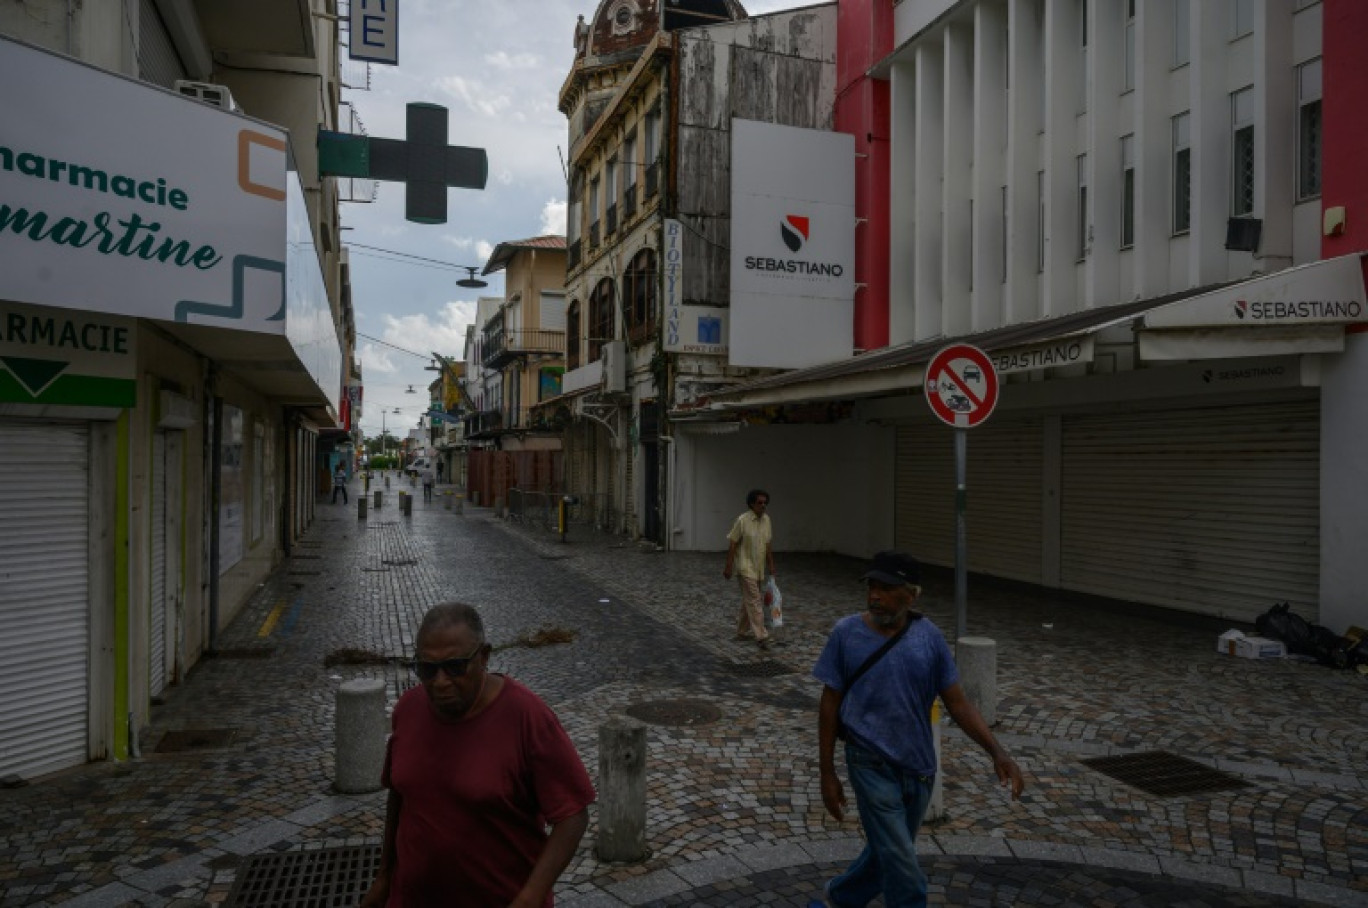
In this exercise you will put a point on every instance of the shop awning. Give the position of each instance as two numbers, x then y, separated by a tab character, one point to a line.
1298	310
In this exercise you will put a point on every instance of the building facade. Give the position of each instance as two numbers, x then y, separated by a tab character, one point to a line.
1122	204
650	105
176	321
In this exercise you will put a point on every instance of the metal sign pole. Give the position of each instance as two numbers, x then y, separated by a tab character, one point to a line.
961	535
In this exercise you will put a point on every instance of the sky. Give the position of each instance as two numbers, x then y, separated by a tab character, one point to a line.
498	69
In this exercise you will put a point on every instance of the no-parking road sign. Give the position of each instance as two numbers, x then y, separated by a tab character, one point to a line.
961	386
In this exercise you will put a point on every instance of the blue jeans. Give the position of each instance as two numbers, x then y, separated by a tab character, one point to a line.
892	803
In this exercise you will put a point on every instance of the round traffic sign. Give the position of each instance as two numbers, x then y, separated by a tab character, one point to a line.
961	385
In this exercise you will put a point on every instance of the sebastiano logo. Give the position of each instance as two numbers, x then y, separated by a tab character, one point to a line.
794	230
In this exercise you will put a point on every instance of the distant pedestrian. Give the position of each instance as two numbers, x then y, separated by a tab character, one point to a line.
901	663
478	768
749	554
340	484
426	473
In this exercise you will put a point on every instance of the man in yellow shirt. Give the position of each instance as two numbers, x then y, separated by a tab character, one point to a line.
749	554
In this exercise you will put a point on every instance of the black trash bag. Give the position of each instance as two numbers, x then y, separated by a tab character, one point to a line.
1304	638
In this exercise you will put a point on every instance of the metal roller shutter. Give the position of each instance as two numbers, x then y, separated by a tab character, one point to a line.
158	61
1005	463
44	596
1213	510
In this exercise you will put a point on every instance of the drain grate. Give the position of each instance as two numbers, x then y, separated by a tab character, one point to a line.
767	668
181	740
398	562
1164	775
675	712
305	879
244	652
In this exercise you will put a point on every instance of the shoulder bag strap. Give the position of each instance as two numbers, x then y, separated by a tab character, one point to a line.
880	653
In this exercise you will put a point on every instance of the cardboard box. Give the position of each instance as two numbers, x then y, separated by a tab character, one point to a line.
1235	643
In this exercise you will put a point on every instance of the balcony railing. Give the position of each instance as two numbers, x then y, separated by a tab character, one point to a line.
612	218
594	235
573	255
652	180
512	343
628	202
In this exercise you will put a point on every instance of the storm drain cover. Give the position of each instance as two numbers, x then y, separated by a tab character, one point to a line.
305	879
675	712
767	668
181	740
1165	775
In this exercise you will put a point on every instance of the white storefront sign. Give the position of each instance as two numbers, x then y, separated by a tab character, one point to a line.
1321	293
792	245
123	198
1064	351
375	31
688	329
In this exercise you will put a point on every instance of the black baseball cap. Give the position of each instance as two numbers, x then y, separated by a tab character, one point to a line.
896	568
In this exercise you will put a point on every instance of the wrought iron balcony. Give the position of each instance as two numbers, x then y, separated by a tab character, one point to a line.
652	180
573	256
629	202
594	235
509	344
612	218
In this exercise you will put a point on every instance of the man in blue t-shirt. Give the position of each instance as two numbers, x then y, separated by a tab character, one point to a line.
884	717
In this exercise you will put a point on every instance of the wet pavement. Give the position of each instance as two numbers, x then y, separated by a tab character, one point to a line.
734	811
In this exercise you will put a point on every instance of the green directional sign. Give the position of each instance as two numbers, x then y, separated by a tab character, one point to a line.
61	357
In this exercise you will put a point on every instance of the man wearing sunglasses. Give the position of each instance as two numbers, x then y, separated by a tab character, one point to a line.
478	768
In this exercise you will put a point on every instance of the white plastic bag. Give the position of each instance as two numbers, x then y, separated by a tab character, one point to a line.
774	601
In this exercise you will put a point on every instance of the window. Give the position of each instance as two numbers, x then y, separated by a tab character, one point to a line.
1308	130
1242	153
1128	52
1241	17
629	161
1182	32
610	184
639	296
1040	222
601	303
1182	173
1082	162
650	135
594	211
572	336
1127	191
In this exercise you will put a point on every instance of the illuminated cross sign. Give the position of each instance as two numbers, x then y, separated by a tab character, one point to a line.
422	161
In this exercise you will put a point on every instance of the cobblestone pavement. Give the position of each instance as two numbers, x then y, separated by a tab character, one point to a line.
734	815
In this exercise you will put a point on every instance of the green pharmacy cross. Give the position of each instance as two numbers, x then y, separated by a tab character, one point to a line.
423	162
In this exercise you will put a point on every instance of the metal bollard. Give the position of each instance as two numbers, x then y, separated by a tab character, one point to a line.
378	493
361	508
622	790
977	661
361	729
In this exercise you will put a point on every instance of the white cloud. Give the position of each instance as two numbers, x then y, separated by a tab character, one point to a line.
443	333
475	95
553	217
504	60
375	358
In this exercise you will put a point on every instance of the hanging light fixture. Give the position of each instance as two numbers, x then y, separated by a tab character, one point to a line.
471	280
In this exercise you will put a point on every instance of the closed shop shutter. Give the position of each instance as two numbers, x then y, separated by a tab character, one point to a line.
1211	510
44	597
158	61
156	658
1003	516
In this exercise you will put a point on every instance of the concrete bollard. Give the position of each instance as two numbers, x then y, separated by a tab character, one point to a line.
460	503
361	731
977	660
405	504
361	508
446	500
386	482
935	809
378	493
622	790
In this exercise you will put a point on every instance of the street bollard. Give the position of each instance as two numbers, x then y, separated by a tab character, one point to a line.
378	493
386	482
405	503
935	808
460	503
361	508
498	506
622	790
446	500
361	729
977	661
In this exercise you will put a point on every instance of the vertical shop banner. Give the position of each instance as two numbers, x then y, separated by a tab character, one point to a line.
687	329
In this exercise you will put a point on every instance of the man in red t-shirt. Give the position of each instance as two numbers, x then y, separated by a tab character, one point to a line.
477	768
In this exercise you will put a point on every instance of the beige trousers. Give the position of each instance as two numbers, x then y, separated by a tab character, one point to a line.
752	617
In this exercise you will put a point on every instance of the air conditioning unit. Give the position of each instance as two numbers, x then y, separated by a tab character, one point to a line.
615	367
217	95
